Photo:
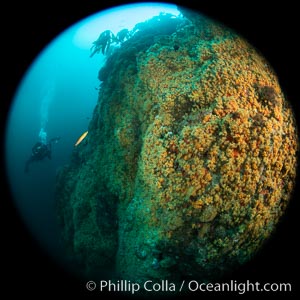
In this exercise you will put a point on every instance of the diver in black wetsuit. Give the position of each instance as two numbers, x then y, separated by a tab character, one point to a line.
40	151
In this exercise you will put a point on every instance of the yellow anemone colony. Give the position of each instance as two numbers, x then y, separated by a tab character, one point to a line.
192	150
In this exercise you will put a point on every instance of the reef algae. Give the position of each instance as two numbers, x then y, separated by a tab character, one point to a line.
190	159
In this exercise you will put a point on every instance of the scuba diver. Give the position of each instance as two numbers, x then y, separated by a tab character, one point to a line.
40	151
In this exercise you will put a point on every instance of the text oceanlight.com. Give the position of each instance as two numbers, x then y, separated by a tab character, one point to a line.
191	285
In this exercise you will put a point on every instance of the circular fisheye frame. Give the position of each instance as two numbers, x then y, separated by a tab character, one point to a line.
148	142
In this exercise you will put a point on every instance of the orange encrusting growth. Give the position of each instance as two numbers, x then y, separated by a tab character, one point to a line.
221	138
192	147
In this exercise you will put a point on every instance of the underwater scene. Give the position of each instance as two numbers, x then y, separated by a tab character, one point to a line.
169	153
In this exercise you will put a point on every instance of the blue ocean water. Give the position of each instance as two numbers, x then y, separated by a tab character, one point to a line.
56	98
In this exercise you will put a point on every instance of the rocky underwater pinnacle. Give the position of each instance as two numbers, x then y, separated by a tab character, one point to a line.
190	159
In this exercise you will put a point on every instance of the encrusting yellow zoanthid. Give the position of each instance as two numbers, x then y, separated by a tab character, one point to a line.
191	158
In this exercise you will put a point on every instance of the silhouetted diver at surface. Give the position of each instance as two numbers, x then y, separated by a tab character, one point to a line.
40	151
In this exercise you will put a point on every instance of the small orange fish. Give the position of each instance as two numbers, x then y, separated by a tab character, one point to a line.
81	138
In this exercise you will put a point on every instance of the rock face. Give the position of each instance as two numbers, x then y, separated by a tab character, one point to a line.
189	162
